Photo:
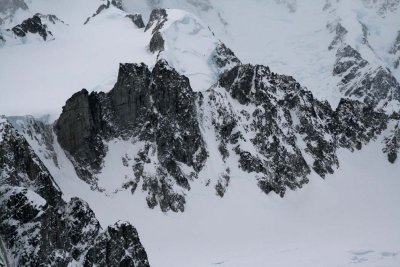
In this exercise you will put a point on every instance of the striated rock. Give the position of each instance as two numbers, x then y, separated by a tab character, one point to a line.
78	129
376	87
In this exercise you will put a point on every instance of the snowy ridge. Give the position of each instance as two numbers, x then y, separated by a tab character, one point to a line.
189	46
301	50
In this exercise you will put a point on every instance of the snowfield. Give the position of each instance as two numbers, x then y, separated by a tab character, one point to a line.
349	219
40	76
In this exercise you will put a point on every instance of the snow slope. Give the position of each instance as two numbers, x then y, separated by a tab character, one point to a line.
349	219
37	77
292	37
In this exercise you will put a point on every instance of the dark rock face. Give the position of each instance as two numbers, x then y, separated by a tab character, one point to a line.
78	129
22	167
117	4
376	87
32	25
356	124
137	20
158	108
157	19
274	128
286	123
38	131
119	245
340	33
225	58
37	228
156	43
392	139
348	60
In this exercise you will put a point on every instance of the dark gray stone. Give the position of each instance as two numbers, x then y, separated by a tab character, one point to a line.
32	25
38	228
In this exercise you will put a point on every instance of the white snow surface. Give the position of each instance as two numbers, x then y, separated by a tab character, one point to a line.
349	219
189	48
292	37
38	77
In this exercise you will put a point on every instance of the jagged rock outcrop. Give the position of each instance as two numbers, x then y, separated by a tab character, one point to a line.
156	107
32	25
39	25
362	79
135	18
392	139
274	129
39	131
38	228
284	123
118	245
20	166
395	50
158	17
376	87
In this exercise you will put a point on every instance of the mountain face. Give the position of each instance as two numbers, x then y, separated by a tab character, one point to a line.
39	228
263	123
363	32
193	117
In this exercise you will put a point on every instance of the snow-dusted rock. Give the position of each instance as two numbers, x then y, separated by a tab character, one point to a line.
263	123
189	46
38	228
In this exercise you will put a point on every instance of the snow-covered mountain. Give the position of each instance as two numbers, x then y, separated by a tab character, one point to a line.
310	40
226	162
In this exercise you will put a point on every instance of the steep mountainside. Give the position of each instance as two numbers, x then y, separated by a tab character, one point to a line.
38	228
215	160
311	40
